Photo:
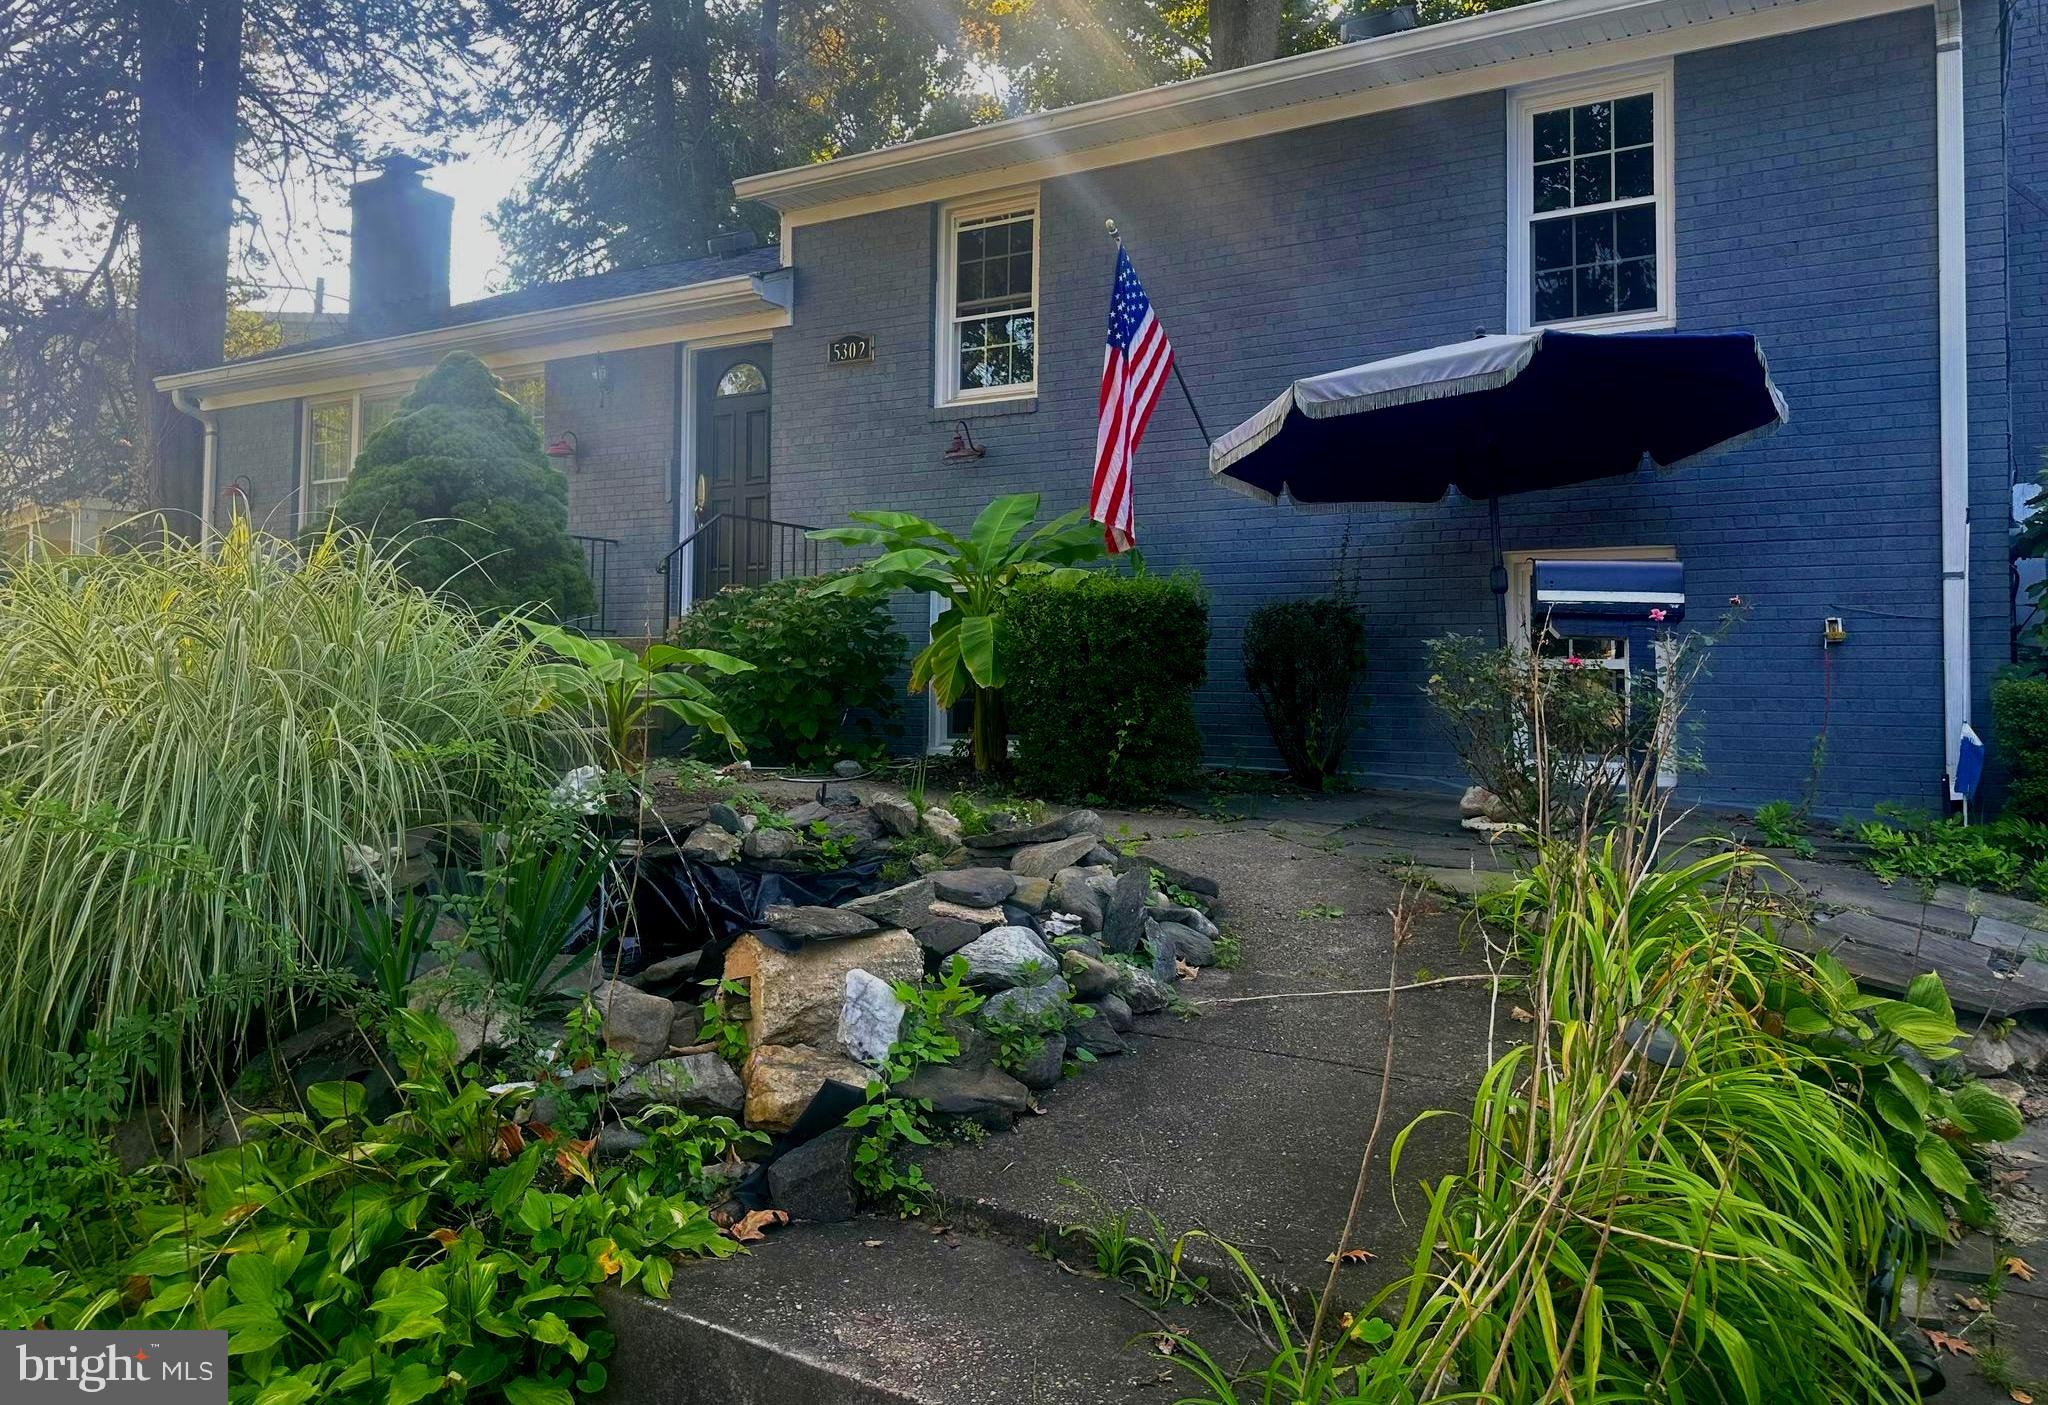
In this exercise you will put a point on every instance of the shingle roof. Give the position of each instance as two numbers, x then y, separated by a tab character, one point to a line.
570	292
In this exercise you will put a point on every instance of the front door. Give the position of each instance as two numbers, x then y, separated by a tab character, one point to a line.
732	468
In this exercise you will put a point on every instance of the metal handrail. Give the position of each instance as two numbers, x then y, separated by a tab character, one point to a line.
786	549
597	564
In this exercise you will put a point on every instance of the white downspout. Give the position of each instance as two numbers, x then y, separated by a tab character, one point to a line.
209	421
1953	293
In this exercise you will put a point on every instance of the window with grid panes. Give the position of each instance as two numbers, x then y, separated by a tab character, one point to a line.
989	311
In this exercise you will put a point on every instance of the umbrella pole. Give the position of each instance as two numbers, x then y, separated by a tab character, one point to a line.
1498	577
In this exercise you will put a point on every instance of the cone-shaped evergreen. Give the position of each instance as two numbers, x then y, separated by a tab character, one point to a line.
458	476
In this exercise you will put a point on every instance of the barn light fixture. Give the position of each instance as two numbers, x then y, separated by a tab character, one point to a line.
601	372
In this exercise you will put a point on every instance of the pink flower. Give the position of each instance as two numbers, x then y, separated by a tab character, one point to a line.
1736	601
1575	662
1657	615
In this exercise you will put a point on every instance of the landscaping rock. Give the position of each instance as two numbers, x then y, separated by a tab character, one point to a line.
817	923
1987	1057
1048	1059
1116	1012
1185	942
974	887
1081	822
814	1182
1032	894
869	1019
660	977
768	844
725	817
1089	978
1027	1004
795	997
1072	893
848	769
987	1096
635	1023
1008	956
1015	916
977	1050
2029	1048
942	827
1187	917
1014	836
1045	860
947	935
897	815
1179	877
614	1140
1097	1035
1143	991
710	843
1123	924
781	1081
904	906
695	1083
983	918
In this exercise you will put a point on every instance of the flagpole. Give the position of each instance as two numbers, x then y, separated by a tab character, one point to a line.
1178	379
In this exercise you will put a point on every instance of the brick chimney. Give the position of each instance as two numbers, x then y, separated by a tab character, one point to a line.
397	250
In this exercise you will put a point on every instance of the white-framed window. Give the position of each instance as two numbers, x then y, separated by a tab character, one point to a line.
1591	241
988	300
529	386
330	436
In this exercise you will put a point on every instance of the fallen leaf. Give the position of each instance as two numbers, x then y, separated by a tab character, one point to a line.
1185	972
2020	1397
511	1141
871	1243
2018	1267
1349	1256
1950	1343
755	1224
444	1237
1521	1016
573	1157
1970	1302
1162	1343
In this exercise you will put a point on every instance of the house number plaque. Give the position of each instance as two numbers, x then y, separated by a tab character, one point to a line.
853	348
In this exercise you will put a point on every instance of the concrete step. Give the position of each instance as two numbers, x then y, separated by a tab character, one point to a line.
887	1312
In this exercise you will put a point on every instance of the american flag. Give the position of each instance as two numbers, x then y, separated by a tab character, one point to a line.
1135	363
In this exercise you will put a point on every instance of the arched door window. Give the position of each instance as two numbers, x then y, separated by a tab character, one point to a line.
745	378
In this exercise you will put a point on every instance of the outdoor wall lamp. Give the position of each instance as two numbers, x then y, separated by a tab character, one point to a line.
601	372
564	447
964	449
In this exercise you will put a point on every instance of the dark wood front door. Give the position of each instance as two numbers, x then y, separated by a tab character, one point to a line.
733	391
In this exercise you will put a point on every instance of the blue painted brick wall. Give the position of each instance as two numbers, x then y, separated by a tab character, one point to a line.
2026	106
1805	174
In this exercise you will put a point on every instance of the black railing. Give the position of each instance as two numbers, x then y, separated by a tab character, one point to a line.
597	564
729	548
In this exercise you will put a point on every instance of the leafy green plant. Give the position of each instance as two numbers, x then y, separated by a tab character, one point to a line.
196	746
1102	673
824	662
975	575
834	849
621	690
390	945
2009	855
726	1035
1304	661
458	478
931	1010
1230	951
1147	1257
2019	726
1320	912
699	1155
521	911
1781	826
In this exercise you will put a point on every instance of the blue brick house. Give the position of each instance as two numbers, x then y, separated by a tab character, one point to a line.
1863	184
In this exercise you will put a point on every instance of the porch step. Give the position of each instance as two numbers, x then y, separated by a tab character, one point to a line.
887	1312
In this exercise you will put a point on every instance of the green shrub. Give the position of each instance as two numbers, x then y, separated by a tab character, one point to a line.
2019	729
1102	672
459	477
824	664
1303	660
194	747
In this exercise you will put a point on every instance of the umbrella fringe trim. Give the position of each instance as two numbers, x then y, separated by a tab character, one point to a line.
1413	394
1762	431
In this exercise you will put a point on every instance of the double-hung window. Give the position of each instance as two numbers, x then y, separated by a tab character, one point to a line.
335	431
1591	242
988	300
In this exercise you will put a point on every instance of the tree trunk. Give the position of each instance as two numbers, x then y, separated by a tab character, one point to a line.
1243	32
181	202
991	733
670	150
707	166
768	66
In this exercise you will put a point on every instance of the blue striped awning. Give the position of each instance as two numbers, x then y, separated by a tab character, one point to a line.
1610	591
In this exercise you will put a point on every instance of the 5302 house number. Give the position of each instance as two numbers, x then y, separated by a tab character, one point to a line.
852	348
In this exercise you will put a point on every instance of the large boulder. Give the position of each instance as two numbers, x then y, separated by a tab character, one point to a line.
1045	860
1035	1006
1123	924
1007	956
814	1182
987	1095
695	1083
768	844
1072	892
974	887
817	923
1089	977
947	935
1143	991
897	815
636	1023
796	997
1032	894
1186	943
782	1080
942	827
904	906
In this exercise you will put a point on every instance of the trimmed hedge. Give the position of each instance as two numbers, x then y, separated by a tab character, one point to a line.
1304	661
823	665
1099	684
2019	722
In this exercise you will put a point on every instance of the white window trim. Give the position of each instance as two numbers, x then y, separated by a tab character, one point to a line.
1523	105
946	360
354	400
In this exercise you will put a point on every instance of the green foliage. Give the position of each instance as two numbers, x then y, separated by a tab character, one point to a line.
1304	661
1781	826
932	1010
389	945
726	1035
458	476
2019	726
694	1153
1148	1256
621	690
520	910
823	663
975	575
193	744
1102	671
2009	855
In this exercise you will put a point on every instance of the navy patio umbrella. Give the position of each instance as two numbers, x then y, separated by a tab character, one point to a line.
1502	414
